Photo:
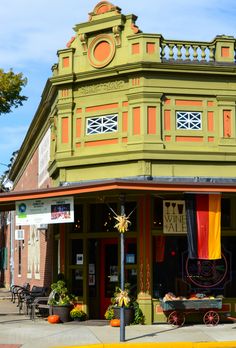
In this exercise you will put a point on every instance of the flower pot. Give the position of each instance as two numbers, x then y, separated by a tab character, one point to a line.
63	312
129	314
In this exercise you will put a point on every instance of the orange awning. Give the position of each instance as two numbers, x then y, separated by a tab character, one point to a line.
8	199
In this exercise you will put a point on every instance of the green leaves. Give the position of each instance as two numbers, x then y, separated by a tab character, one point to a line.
11	85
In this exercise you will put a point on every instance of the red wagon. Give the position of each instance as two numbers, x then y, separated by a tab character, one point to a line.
177	310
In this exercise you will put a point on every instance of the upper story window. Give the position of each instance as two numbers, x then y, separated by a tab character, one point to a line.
189	120
102	124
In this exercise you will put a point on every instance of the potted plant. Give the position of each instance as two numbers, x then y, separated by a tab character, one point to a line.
133	313
60	300
78	314
109	314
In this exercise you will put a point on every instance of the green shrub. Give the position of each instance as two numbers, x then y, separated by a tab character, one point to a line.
76	313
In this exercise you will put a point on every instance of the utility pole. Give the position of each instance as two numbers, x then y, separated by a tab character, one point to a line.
122	272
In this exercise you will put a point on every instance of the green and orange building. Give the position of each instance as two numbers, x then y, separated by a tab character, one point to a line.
135	118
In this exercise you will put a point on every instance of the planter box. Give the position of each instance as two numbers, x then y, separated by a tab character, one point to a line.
63	312
129	314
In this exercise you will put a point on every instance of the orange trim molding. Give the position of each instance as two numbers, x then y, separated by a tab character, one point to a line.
210	121
124	121
101	142
151	111
210	103
189	139
136	48
227	123
167	102
65	62
167	124
182	102
65	130
136	121
225	52
78	127
101	107
150	47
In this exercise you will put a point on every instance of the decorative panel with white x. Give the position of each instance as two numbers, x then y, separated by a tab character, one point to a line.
189	120
102	124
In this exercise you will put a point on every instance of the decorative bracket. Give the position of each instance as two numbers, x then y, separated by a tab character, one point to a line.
84	40
117	34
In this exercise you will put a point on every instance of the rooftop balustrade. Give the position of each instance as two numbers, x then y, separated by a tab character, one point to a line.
222	49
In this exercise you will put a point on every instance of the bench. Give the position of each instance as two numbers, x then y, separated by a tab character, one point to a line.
39	303
14	289
26	297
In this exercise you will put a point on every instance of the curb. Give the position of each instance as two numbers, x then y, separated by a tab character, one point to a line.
226	344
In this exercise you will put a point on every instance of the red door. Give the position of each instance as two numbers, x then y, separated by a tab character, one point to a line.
108	272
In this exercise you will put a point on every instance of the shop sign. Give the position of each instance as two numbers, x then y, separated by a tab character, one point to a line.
45	211
174	217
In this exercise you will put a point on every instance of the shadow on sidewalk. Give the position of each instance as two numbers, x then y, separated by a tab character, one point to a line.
154	334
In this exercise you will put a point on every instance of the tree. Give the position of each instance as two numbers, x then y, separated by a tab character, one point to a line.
11	85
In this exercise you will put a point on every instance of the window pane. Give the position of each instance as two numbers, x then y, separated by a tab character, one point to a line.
77	251
225	212
157	220
102	217
78	224
131	209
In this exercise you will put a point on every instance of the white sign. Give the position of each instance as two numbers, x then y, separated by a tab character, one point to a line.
174	217
79	259
45	211
19	234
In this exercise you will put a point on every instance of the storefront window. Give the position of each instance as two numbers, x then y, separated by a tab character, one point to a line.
167	266
92	267
174	272
78	224
77	252
229	248
131	211
131	278
101	217
157	221
131	253
225	212
77	282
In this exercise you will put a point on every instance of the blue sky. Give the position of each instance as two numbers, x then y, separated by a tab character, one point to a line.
31	32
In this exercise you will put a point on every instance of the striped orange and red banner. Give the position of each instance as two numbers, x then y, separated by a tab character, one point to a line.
204	226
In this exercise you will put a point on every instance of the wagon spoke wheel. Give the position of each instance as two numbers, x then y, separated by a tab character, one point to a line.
211	318
176	318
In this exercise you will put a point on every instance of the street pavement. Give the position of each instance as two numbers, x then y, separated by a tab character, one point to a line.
18	330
